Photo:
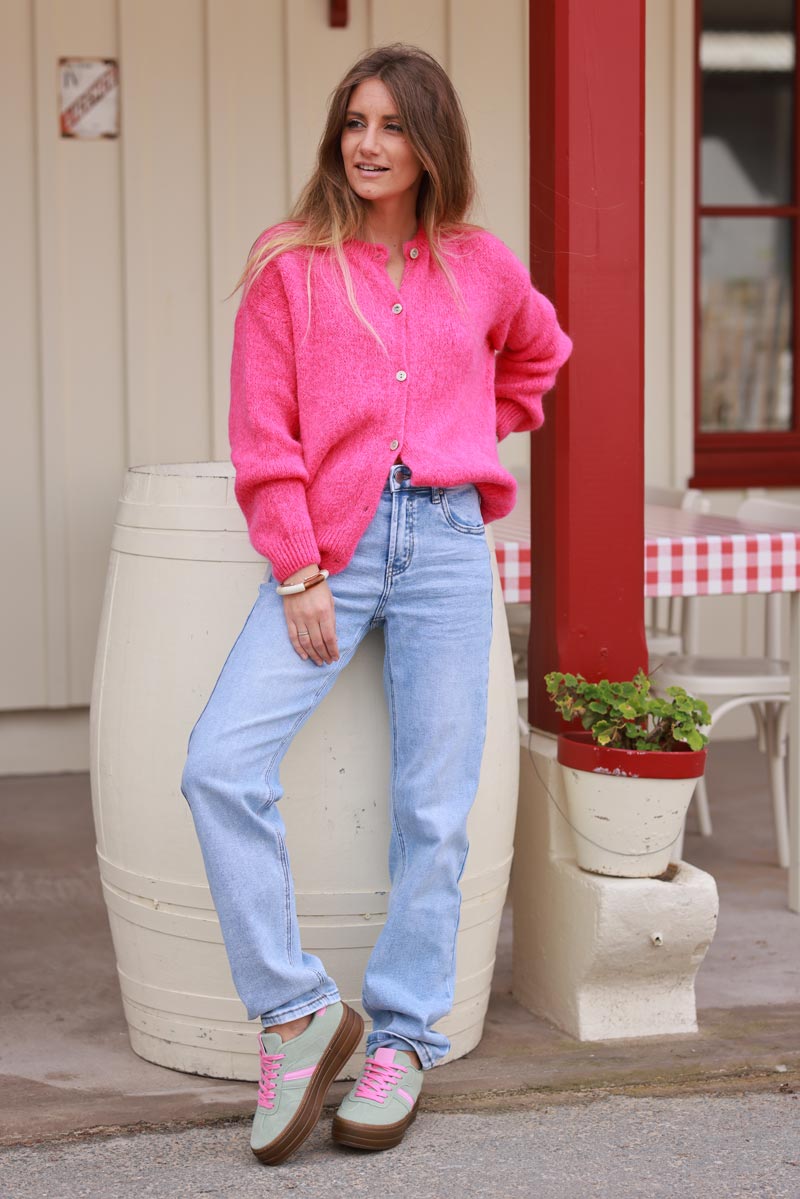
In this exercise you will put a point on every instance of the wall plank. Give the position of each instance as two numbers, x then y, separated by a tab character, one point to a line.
681	102
248	161
488	65
318	56
659	248
84	211
51	349
23	678
422	23
165	230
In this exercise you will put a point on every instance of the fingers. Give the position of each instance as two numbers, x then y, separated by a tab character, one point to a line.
298	643
327	632
311	625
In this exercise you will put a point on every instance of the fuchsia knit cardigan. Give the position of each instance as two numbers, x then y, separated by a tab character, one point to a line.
319	411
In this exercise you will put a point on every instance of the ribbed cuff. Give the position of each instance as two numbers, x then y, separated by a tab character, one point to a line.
292	553
507	416
510	416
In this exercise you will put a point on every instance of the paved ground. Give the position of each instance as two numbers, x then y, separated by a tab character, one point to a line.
66	1064
606	1148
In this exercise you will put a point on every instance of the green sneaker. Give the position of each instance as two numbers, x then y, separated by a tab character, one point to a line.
383	1102
295	1076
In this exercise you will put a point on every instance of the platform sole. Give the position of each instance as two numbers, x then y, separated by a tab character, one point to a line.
371	1136
342	1045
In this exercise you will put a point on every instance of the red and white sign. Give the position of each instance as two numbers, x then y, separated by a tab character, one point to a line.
89	97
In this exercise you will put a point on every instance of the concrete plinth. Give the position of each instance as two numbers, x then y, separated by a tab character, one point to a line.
599	957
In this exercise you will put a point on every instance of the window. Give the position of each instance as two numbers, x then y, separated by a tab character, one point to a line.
747	243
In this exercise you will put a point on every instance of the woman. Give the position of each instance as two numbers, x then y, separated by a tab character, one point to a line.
383	345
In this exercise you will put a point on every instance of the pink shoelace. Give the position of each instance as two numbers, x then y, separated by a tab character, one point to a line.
378	1079
270	1068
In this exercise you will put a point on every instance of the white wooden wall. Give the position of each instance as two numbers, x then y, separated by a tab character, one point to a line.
119	254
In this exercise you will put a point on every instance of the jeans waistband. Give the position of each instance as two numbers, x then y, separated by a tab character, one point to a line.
399	479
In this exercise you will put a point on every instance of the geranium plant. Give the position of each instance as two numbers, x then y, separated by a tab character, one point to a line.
627	716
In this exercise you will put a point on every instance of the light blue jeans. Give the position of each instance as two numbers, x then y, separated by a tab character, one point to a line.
422	571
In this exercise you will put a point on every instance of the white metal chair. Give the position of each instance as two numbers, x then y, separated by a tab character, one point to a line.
762	683
671	622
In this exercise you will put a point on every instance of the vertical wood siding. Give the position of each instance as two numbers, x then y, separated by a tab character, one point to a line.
120	254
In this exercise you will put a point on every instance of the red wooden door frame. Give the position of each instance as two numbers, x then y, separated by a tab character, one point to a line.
587	254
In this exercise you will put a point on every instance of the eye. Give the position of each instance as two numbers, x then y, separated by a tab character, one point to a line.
354	123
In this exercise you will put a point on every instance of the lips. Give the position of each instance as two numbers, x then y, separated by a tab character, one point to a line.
370	170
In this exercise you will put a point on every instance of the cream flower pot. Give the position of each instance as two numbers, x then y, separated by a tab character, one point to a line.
626	807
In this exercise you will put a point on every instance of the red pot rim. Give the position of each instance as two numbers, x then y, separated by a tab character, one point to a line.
580	751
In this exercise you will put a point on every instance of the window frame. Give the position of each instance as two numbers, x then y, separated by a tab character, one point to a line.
746	458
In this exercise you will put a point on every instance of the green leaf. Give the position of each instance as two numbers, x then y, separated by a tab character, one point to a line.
627	714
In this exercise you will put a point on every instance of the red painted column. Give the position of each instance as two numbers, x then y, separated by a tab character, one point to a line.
587	254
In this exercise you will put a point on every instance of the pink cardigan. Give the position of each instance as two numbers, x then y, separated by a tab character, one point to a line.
319	411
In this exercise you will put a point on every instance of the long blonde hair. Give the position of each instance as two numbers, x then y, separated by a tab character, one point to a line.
328	212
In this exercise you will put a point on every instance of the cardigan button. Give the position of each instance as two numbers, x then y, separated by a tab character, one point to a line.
397	308
413	253
400	376
394	445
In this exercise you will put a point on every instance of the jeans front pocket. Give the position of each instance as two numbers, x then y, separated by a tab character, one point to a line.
461	507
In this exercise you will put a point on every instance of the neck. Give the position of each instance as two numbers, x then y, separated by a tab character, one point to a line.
391	226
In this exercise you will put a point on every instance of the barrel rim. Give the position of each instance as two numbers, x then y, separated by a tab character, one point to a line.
185	470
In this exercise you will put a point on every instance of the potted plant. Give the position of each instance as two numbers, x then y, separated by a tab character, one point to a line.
630	775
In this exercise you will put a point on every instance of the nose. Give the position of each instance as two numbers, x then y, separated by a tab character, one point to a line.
369	140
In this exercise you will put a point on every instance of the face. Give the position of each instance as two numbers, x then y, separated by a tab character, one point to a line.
373	137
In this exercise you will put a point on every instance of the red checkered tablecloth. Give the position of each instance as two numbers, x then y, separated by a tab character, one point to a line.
514	565
512	541
685	553
688	553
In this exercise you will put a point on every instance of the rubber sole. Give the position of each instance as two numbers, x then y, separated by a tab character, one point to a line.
342	1044
371	1136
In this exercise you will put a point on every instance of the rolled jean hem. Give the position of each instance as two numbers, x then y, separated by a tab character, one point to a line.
305	1008
392	1040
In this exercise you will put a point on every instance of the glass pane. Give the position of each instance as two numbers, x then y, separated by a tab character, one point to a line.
747	60
746	322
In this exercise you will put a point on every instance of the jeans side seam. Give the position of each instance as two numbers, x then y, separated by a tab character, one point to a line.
326	684
287	891
452	977
394	770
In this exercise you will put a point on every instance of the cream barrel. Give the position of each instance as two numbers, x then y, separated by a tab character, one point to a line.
182	577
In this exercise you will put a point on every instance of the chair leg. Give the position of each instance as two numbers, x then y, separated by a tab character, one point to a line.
700	797
777	786
760	716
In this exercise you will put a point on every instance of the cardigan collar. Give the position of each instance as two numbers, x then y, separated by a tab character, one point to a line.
379	251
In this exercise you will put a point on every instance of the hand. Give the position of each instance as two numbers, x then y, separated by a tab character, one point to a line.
311	612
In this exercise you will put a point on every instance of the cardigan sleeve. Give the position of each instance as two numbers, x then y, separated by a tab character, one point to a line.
531	349
264	429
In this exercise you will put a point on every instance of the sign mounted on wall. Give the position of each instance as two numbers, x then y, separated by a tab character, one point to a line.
89	97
